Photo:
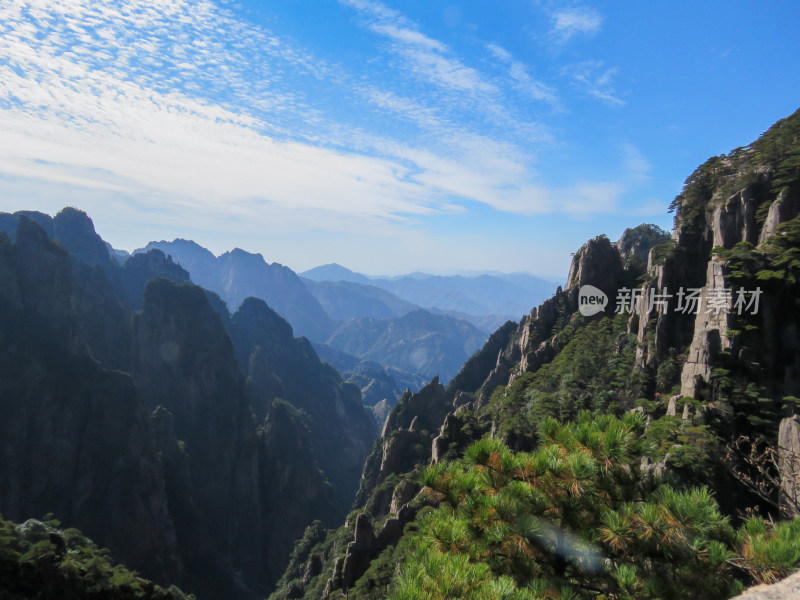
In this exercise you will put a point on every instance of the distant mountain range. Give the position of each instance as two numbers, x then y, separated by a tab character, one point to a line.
378	320
418	342
472	297
344	300
237	274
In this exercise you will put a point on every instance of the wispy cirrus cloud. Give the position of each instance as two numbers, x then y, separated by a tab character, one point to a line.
429	58
181	107
77	101
460	93
596	79
634	162
570	22
520	73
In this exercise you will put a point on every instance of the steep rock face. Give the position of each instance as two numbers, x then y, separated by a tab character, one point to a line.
381	412
281	366
789	460
406	436
738	198
597	263
635	242
427	408
183	360
290	475
473	374
232	483
75	230
660	323
131	279
43	279
734	219
103	321
785	208
710	333
102	292
498	376
74	437
451	435
535	330
198	490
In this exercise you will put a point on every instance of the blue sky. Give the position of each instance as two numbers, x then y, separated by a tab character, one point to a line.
387	136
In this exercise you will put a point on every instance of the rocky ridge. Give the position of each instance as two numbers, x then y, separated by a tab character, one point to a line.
678	358
124	387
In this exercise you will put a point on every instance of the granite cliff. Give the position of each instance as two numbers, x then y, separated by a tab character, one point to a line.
701	377
136	408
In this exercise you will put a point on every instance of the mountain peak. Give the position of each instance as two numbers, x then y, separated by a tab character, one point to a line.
334	272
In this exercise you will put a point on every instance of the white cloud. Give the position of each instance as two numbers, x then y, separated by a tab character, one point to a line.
594	78
520	73
178	108
588	198
566	23
64	114
634	162
428	58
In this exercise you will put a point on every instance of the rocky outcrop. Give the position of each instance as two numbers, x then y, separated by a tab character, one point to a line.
710	331
789	463
131	279
788	589
672	406
660	322
785	207
428	406
381	412
635	242
473	374
75	230
294	489
457	432
733	220
367	545
597	263
497	377
535	329
279	365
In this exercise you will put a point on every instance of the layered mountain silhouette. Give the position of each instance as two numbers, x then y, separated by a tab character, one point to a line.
237	275
134	407
411	345
473	298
